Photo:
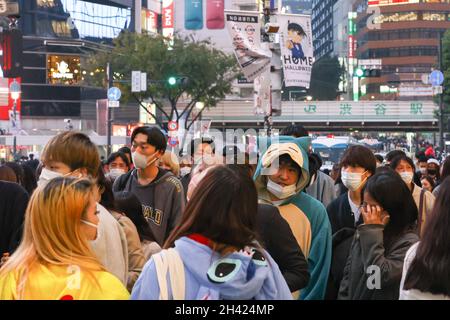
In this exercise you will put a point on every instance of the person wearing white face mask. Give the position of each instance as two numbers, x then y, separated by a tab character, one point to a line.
118	165
357	164
60	160
159	191
424	199
283	186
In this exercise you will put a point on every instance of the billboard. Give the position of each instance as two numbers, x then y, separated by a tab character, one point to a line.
382	3
296	49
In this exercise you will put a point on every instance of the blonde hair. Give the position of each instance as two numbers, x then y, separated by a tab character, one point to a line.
52	232
75	150
170	160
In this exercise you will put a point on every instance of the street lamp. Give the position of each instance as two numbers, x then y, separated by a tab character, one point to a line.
309	98
200	105
15	92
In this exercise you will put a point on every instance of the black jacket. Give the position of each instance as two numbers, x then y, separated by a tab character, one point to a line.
343	227
13	203
341	215
371	259
280	242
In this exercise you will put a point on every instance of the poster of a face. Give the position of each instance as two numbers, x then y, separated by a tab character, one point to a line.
296	49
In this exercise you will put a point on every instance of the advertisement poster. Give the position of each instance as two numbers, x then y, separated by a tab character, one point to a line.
168	23
244	30
193	14
215	14
297	53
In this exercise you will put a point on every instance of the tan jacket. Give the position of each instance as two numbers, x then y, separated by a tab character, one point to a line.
428	204
136	259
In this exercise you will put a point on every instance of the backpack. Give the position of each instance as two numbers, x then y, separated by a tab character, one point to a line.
169	261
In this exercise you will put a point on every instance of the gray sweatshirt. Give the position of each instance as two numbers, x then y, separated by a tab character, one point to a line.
162	200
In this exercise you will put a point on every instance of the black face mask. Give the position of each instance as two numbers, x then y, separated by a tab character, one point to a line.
432	172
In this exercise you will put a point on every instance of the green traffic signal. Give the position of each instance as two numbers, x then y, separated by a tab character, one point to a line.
172	81
359	72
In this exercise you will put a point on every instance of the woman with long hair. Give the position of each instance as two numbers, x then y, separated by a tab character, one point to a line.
426	273
216	255
55	259
374	266
424	199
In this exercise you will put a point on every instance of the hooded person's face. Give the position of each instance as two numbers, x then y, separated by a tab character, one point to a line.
286	175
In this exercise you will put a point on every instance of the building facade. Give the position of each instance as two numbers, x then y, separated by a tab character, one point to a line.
322	27
404	35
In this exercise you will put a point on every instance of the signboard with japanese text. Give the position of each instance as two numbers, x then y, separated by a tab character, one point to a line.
245	33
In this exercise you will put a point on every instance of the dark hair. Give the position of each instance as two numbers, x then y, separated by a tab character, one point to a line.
359	156
196	142
446	168
223	208
297	28
379	157
125	150
129	204
18	170
116	155
399	204
318	159
295	130
7	174
422	158
29	178
396	161
286	159
430	181
154	137
107	198
314	165
429	269
393	154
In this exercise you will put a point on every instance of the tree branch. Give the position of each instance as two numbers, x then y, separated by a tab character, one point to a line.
148	111
159	107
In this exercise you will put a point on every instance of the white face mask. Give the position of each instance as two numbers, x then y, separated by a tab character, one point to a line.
47	175
279	191
141	161
423	170
115	173
185	171
352	181
407	177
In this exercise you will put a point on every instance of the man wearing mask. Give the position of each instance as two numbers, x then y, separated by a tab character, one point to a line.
280	178
422	166
357	165
159	191
59	159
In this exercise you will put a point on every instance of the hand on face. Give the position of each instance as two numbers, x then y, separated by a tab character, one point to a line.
374	215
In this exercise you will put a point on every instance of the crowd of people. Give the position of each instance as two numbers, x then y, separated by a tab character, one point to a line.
222	224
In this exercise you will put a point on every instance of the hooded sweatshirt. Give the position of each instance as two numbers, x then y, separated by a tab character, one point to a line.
306	216
162	200
208	276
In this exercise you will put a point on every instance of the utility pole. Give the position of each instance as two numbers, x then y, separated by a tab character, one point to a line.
109	75
441	98
266	38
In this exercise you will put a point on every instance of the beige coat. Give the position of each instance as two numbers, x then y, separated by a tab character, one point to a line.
428	204
136	259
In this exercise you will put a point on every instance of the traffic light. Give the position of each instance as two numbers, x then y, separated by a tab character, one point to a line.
172	81
368	73
175	81
12	45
